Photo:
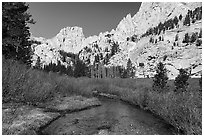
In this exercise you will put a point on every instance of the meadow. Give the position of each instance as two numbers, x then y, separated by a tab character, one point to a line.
183	110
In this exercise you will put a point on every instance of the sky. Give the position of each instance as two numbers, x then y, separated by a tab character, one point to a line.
93	17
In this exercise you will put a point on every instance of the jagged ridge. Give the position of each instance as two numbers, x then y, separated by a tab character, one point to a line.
116	47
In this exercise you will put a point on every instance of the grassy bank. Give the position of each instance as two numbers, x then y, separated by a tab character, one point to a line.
26	85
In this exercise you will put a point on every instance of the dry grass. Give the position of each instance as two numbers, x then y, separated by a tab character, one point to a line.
183	110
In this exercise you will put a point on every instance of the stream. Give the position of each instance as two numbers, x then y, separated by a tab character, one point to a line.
113	117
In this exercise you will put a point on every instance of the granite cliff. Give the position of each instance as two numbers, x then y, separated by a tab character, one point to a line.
157	32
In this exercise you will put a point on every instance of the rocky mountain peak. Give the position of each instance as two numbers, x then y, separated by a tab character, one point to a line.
126	26
128	40
70	39
71	31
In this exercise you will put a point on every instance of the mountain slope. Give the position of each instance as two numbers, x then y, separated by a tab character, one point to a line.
156	33
152	13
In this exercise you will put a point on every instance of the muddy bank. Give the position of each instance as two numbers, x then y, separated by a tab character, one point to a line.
70	104
26	119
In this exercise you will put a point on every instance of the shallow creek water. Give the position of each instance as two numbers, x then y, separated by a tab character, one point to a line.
114	117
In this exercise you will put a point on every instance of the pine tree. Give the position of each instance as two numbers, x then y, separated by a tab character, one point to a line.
198	12
156	41
194	37
15	31
187	21
160	78
180	17
181	80
80	68
198	42
186	38
97	59
128	38
38	64
130	71
190	13
174	44
134	38
176	37
164	29
160	38
160	27
200	34
114	49
124	73
171	24
151	40
175	21
155	30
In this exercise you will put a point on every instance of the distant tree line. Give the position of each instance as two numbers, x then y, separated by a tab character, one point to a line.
154	41
98	70
162	27
195	37
79	68
192	16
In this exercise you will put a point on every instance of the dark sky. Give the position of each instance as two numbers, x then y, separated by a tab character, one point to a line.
92	17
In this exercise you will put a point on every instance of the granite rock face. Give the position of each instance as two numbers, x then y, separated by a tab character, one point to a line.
68	40
130	43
